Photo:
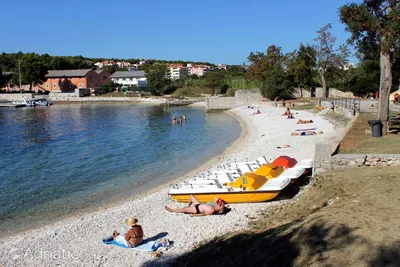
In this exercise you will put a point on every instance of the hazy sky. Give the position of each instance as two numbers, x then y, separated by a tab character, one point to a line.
218	31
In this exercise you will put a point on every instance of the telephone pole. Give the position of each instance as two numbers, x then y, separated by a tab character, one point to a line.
19	76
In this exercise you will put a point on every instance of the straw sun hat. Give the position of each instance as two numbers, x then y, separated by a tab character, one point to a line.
131	221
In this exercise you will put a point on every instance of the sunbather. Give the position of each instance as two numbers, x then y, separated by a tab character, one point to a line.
256	112
304	121
133	237
287	112
195	208
306	133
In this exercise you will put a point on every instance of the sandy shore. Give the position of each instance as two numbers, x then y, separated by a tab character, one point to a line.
78	241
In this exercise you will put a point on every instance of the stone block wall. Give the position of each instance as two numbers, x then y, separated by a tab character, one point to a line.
301	93
16	97
62	96
318	92
341	161
81	92
242	98
349	113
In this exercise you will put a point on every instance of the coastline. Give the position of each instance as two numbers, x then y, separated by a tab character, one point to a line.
107	200
82	234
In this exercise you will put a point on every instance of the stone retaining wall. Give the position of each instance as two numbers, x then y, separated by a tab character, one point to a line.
16	97
318	92
349	113
242	98
342	161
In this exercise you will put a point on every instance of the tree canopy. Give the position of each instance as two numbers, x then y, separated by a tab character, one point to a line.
262	63
156	75
327	57
214	80
277	84
373	24
2	78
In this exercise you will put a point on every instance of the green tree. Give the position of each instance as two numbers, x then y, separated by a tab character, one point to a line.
300	66
156	75
377	22
262	63
33	69
277	84
214	80
326	56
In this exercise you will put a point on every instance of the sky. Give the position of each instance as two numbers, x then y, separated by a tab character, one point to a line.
216	31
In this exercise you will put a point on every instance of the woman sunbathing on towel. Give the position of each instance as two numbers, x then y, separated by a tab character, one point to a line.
257	112
195	208
306	133
304	121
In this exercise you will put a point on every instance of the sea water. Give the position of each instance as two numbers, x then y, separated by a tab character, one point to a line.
65	158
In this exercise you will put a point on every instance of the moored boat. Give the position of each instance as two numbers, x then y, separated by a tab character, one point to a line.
254	181
245	189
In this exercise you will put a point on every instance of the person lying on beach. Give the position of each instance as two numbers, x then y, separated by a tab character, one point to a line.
304	121
287	112
133	237
306	133
256	112
195	208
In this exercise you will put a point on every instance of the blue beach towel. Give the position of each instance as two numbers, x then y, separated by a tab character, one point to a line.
145	246
303	130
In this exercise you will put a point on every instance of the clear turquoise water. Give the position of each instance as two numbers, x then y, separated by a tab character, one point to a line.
65	158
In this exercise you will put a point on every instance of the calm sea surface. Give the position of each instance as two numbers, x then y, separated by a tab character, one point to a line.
61	159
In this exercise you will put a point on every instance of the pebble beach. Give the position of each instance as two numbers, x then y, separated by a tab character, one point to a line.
77	241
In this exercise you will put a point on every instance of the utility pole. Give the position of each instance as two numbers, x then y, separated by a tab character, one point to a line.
19	76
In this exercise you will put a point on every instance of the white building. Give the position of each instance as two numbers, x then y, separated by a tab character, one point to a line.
130	78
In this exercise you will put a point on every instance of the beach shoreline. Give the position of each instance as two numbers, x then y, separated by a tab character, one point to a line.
82	234
140	191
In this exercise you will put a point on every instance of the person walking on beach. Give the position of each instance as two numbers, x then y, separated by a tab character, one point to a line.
283	103
195	208
133	237
276	102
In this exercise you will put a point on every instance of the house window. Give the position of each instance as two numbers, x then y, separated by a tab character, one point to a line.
54	85
104	78
70	85
47	85
91	78
80	85
62	85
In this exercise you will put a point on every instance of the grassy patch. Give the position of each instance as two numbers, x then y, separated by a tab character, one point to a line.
359	139
345	218
305	107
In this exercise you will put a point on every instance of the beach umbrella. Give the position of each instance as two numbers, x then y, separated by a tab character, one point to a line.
285	162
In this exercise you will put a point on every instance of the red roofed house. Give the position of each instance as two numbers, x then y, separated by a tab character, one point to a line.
69	80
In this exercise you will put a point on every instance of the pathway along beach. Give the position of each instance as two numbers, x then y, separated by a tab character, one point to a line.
77	241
